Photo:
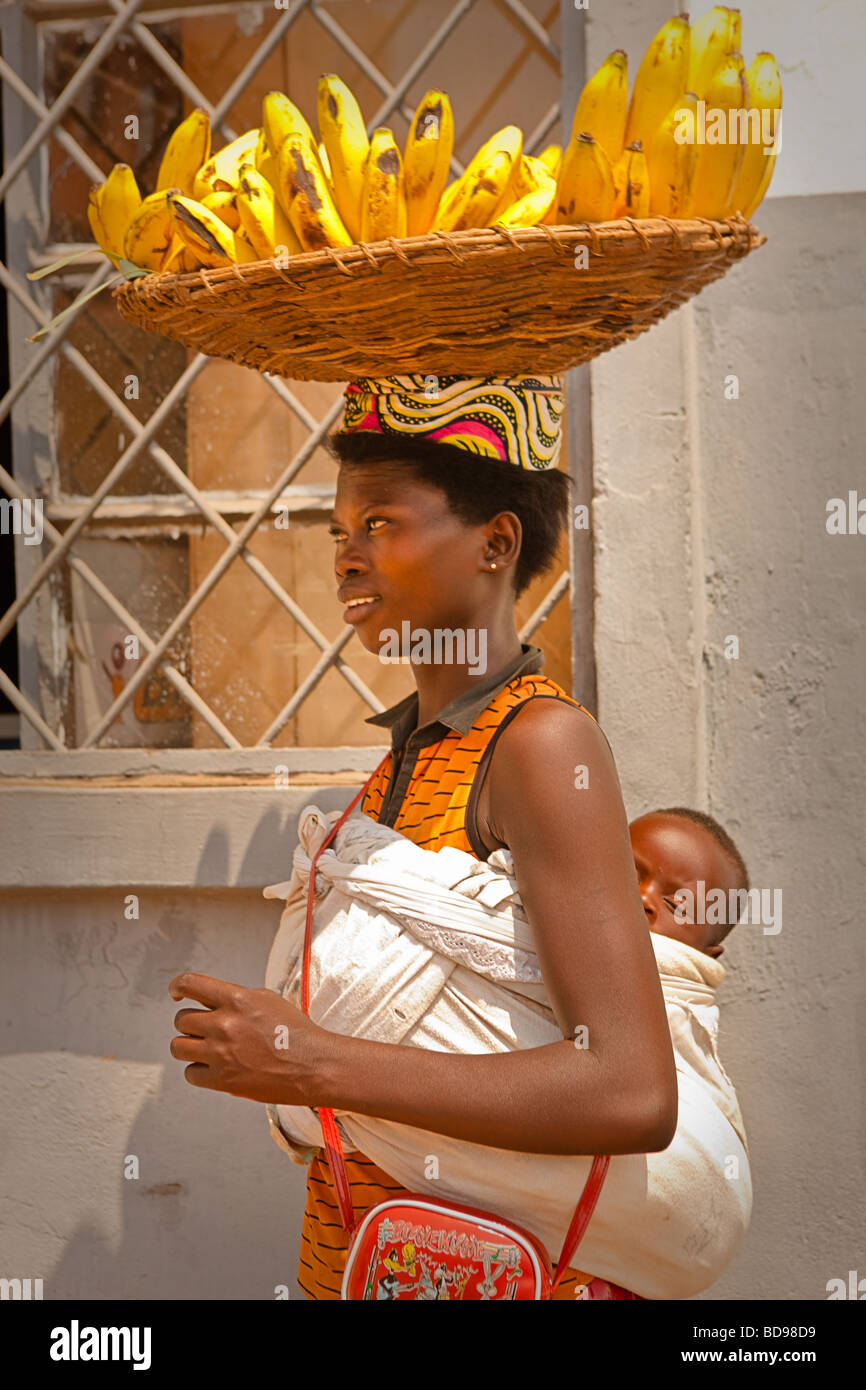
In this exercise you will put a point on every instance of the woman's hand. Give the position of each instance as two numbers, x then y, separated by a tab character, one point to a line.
248	1042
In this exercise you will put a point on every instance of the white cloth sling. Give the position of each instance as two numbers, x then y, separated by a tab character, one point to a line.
433	949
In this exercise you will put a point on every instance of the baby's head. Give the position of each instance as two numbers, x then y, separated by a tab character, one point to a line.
677	849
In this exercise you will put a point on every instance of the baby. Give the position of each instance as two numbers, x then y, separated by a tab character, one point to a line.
677	849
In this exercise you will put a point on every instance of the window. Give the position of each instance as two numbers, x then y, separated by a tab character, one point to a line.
183	594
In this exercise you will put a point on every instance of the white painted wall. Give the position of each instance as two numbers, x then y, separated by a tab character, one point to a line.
709	521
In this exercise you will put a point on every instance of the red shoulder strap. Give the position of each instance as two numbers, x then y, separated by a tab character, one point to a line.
334	1149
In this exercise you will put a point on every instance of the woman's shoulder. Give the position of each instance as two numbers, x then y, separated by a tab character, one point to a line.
541	730
541	703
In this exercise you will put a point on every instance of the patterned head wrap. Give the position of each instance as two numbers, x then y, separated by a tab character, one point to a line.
515	419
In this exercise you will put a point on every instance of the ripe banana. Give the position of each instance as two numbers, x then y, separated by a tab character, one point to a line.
225	205
344	137
243	250
718	165
187	150
528	176
111	207
203	232
551	158
180	259
671	163
756	170
312	210
282	118
529	210
262	219
427	159
149	238
220	173
325	163
383	196
268	166
661	77
472	199
585	188
631	183
603	106
713	37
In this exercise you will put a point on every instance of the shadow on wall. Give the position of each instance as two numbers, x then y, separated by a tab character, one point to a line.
145	1186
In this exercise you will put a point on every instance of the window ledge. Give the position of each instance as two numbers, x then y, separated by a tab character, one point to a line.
167	818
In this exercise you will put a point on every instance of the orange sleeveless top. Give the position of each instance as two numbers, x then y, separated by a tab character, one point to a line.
437	811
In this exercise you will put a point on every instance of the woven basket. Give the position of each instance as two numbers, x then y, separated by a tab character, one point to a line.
485	302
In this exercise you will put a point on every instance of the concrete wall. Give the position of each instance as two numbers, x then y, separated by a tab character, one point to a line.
88	1081
710	523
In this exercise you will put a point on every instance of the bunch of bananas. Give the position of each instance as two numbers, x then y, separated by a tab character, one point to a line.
277	191
660	153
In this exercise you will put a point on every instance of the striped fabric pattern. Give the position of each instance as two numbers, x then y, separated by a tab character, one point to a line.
433	815
514	419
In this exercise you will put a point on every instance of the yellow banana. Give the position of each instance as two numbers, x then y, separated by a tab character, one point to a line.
344	137
756	170
446	202
312	210
672	163
585	188
429	146
282	118
474	198
149	238
243	250
718	165
220	173
713	37
551	158
529	210
111	207
325	162
176	262
383	195
528	177
268	166
631	183
263	221
94	217
202	231
225	205
187	150
661	77
603	106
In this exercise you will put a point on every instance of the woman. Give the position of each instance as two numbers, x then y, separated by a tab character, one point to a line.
448	503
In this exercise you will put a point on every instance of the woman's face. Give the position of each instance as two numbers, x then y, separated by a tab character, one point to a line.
397	541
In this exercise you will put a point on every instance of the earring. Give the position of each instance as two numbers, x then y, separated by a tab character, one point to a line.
493	566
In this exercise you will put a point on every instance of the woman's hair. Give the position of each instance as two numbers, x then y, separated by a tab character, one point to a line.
477	488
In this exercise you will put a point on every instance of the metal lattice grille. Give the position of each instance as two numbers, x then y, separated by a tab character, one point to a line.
81	513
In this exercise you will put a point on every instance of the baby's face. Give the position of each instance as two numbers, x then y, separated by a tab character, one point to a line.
672	853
